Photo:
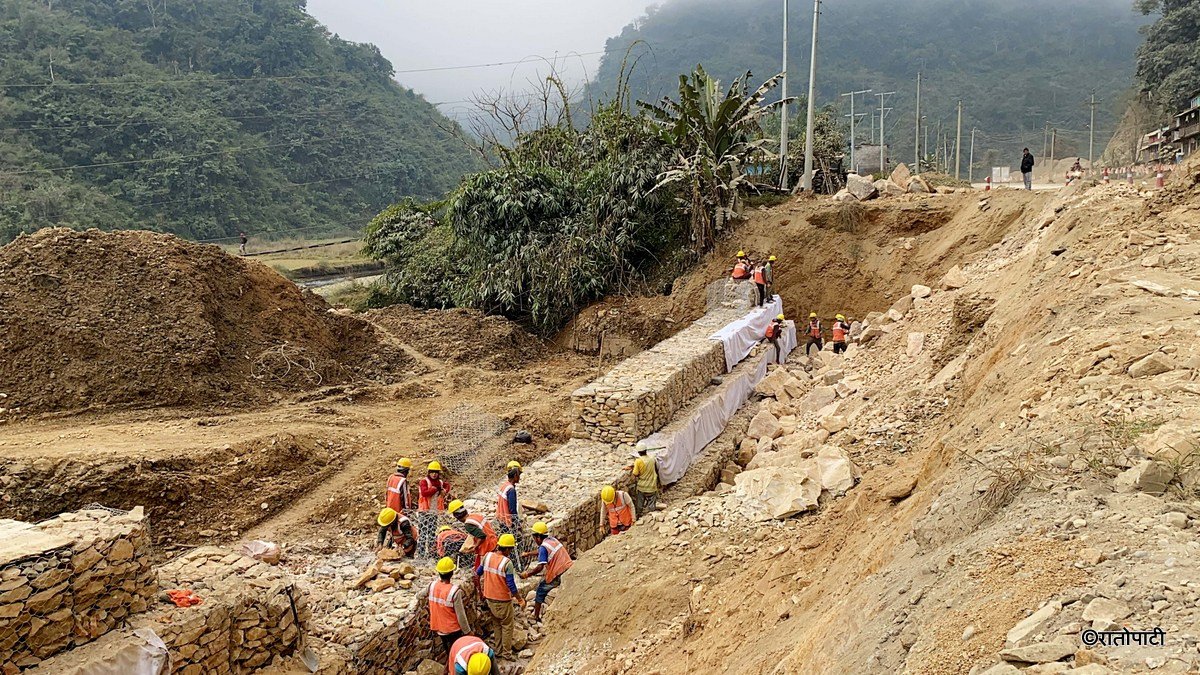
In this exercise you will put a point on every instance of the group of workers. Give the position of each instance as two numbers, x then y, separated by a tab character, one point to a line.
763	275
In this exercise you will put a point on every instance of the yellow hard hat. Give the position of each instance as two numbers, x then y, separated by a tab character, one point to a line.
841	317
454	506
446	566
771	259
434	466
540	528
514	465
479	664
386	517
444	528
608	494
812	315
405	463
507	541
780	317
741	254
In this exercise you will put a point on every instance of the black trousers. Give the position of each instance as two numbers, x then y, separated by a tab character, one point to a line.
839	347
778	350
814	341
448	640
761	296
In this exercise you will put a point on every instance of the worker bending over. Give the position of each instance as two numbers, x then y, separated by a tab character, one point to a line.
499	582
841	329
396	531
470	656
397	497
616	506
447	612
742	269
449	541
813	331
482	534
773	334
552	556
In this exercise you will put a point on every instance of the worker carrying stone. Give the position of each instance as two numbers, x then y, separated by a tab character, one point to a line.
774	334
742	269
616	507
481	533
647	485
432	495
506	502
397	497
498	576
841	330
447	611
552	557
396	531
470	656
813	332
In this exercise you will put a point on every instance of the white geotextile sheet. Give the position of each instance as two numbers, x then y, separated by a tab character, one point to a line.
680	448
146	655
740	336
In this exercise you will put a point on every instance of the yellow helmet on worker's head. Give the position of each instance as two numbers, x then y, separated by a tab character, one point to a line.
386	517
455	506
444	528
541	528
812	315
479	664
608	494
841	317
404	463
741	254
446	566
514	465
434	466
779	318
506	541
771	259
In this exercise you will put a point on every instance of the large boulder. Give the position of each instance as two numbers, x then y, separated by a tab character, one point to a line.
838	473
954	278
862	188
844	195
781	491
918	185
764	425
887	188
901	175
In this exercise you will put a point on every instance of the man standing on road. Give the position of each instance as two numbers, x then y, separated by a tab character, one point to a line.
1027	169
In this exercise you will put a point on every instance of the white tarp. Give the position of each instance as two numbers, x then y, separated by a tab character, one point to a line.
740	336
144	653
680	448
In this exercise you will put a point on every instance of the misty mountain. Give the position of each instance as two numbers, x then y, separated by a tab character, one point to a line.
1016	65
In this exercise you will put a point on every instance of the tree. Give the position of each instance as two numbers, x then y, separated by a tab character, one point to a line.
715	135
1168	61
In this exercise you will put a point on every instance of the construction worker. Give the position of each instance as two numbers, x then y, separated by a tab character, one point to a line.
551	556
447	613
840	331
645	472
773	333
741	269
769	275
397	496
616	506
432	494
470	656
483	536
498	576
813	331
396	531
506	501
449	541
760	284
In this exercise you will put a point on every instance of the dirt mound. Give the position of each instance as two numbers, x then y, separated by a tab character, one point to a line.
92	319
461	336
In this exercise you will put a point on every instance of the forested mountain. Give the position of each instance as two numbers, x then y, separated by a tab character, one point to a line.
202	118
1017	65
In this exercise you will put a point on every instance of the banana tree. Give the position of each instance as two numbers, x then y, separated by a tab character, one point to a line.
715	134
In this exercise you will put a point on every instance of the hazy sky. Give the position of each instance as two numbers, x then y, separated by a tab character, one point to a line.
437	33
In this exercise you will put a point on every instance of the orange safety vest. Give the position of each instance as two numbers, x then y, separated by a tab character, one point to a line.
814	329
445	536
839	331
620	512
495	586
489	542
760	276
559	560
397	497
773	330
502	513
423	502
741	271
462	650
443	618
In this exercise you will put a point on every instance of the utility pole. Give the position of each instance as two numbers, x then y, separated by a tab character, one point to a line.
958	144
783	110
917	135
1050	166
853	155
1092	134
882	115
924	143
806	183
937	146
971	159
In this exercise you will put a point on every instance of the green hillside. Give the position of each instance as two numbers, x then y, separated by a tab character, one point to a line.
1016	64
204	118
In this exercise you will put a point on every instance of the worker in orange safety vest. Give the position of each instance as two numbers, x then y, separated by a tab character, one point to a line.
741	269
840	331
470	656
551	556
397	497
432	494
813	332
760	284
396	531
482	534
447	612
616	507
506	501
499	579
773	334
